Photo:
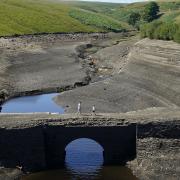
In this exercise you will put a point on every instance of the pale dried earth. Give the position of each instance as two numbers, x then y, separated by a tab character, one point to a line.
118	75
126	76
46	63
146	77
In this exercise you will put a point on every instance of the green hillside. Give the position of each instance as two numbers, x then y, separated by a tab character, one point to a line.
18	17
30	16
38	16
167	27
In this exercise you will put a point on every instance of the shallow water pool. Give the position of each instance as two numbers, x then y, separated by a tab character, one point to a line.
36	103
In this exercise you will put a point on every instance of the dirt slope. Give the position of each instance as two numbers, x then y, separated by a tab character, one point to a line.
150	78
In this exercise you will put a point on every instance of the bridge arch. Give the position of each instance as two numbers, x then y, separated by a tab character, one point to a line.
84	154
83	140
118	143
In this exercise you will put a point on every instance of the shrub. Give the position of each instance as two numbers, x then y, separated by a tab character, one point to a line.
148	30
97	20
161	30
151	11
177	35
134	18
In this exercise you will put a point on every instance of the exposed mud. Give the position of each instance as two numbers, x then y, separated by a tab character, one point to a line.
140	75
48	63
118	74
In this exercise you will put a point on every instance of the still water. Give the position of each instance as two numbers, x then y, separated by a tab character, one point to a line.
84	161
27	104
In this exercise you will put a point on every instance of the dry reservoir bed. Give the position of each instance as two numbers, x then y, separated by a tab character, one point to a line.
118	75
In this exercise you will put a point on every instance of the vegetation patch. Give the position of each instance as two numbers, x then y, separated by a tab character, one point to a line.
161	30
96	20
20	17
29	17
158	20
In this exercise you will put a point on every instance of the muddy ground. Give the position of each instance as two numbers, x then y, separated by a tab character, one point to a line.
123	74
138	75
114	72
119	73
48	63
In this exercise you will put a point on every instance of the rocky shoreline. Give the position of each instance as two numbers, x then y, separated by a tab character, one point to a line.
10	174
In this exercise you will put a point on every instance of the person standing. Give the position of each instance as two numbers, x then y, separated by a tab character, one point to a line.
93	110
79	108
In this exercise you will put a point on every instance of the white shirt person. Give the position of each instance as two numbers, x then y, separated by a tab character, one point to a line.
93	109
79	108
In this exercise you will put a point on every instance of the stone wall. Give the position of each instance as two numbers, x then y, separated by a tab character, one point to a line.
158	151
43	147
150	139
22	147
167	129
119	143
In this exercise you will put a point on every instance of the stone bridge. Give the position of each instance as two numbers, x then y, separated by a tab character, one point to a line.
119	143
38	141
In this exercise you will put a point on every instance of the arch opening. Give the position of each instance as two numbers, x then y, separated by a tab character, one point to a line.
84	157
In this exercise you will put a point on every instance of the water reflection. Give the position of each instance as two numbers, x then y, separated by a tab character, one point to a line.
37	103
106	173
84	161
84	158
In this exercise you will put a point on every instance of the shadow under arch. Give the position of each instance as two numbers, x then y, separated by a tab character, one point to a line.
118	142
84	157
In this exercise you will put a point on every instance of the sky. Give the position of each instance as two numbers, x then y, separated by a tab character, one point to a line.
117	1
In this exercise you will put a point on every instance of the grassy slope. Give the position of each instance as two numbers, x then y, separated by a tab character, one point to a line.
30	16
99	15
38	16
170	10
167	27
119	12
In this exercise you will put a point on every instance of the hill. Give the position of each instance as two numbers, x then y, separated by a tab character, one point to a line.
39	16
19	17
